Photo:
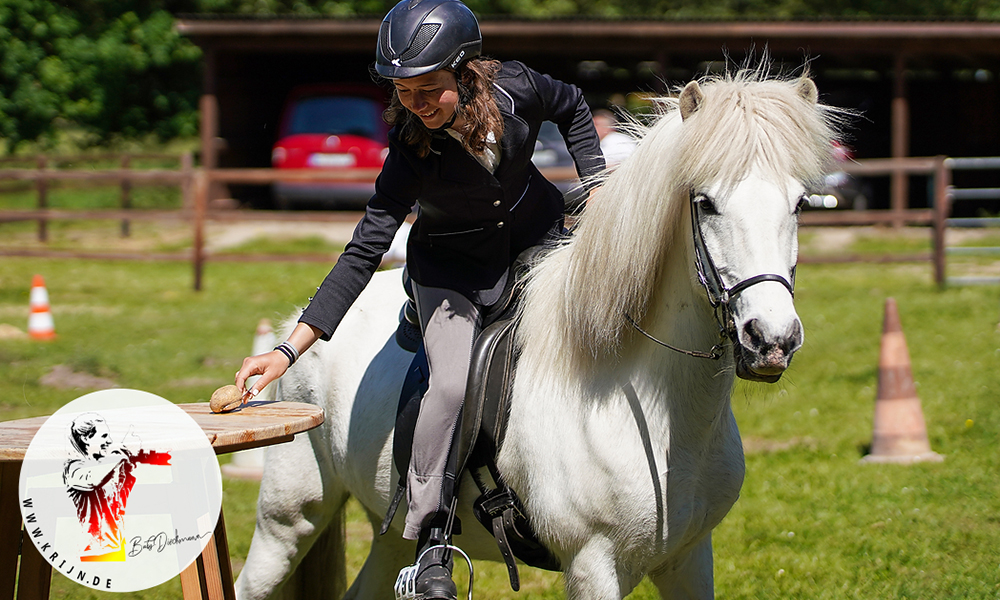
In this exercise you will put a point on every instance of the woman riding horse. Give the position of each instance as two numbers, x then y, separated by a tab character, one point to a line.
464	129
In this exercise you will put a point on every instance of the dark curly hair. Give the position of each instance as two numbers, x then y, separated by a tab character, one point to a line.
476	104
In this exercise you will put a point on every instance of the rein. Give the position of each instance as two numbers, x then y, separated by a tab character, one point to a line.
719	295
715	353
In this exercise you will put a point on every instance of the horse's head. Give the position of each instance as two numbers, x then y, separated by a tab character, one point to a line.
745	220
727	163
745	241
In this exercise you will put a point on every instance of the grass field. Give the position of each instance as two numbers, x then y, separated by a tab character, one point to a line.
811	522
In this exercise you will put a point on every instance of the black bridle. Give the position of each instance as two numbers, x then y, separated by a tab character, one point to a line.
720	296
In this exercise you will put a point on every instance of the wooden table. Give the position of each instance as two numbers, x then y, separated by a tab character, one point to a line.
210	577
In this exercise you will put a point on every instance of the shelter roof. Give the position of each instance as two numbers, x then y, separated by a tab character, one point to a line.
618	37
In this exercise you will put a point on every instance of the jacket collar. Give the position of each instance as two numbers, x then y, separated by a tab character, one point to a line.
459	165
515	131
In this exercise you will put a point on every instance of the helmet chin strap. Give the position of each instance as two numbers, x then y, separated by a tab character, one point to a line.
450	122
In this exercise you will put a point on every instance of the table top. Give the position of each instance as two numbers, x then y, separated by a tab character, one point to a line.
255	424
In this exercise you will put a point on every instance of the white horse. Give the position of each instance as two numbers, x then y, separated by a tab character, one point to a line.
626	454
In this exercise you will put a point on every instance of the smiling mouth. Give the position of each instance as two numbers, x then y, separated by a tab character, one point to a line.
429	115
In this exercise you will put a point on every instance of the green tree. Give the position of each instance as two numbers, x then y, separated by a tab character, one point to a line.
111	67
691	9
118	67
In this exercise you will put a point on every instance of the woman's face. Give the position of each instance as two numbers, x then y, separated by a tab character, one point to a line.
433	97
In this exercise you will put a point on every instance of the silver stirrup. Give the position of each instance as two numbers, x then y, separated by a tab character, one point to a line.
406	582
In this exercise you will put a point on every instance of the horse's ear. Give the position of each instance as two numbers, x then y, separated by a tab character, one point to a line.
691	99
807	90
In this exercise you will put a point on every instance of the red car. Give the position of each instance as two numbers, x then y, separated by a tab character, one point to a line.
335	127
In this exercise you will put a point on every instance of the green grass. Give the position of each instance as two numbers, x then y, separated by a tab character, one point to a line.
311	244
811	522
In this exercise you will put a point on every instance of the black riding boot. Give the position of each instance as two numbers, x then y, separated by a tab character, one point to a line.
434	580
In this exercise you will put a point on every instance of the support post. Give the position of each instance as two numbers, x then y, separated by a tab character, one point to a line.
900	182
126	194
187	181
208	108
942	208
42	186
662	59
201	184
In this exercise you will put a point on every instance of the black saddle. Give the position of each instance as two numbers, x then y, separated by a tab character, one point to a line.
483	427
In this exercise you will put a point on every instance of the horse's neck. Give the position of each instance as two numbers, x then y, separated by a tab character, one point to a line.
681	387
667	387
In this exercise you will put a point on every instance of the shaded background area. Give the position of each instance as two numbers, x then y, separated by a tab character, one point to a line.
932	84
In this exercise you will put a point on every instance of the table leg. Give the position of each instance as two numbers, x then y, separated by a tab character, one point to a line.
210	576
191	581
10	527
35	576
225	564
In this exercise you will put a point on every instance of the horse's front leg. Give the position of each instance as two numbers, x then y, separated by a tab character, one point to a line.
299	497
595	574
688	577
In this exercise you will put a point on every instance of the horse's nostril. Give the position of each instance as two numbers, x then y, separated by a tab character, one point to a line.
794	338
752	331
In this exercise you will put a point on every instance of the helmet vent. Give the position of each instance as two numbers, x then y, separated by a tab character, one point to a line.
424	36
383	36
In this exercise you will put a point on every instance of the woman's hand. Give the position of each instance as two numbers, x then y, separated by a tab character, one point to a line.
272	365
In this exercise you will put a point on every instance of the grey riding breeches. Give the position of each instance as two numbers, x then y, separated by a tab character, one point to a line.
450	323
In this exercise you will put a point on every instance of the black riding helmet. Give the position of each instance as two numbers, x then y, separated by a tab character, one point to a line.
420	36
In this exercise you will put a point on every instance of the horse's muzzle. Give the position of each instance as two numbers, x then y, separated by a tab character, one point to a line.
764	358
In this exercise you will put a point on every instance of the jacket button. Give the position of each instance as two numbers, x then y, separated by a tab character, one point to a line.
500	225
496	203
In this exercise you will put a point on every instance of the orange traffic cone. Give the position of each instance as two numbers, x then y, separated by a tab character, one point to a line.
900	434
40	325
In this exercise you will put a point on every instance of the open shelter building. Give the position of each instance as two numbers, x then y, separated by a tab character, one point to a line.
920	88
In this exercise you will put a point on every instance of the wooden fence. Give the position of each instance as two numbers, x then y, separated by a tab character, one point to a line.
195	184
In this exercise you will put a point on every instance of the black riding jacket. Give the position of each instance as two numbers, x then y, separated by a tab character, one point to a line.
470	224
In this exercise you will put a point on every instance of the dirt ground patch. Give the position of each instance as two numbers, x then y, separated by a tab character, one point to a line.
65	378
222	236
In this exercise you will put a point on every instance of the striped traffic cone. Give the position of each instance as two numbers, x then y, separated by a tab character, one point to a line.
900	434
40	324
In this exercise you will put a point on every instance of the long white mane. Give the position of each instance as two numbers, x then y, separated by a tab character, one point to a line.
579	294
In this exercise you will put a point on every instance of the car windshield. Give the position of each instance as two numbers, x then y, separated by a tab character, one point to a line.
336	115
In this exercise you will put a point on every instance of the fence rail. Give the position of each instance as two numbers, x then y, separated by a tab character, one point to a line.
195	184
959	194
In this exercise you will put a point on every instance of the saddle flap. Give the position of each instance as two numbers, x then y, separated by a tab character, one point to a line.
487	392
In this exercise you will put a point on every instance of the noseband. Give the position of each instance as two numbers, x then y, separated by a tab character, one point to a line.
720	296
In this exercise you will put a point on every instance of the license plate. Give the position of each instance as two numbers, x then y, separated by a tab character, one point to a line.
332	160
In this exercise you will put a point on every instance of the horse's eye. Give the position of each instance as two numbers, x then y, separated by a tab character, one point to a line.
803	200
706	206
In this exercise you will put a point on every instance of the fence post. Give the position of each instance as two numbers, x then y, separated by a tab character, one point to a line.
43	198
187	181
126	194
942	201
201	183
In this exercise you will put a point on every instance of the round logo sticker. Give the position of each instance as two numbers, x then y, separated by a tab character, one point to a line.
120	490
